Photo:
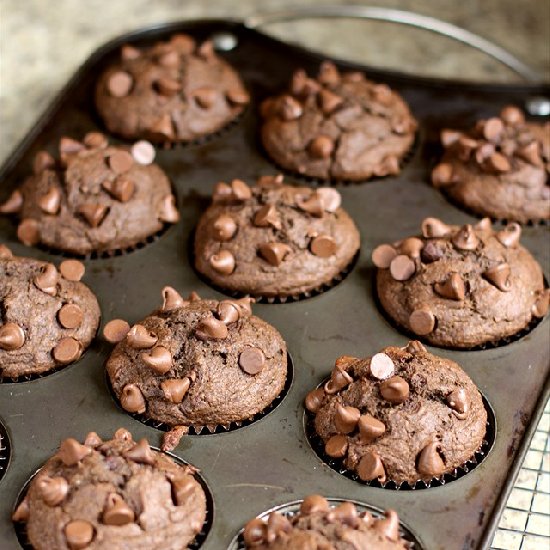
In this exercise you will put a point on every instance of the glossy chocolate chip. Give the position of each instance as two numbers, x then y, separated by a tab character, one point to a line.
329	101
422	321
228	312
274	253
72	270
402	268
395	390
499	276
430	462
337	446
330	198
53	490
323	246
141	453
116	511
458	401
442	175
47	279
339	379
267	216
116	330
139	337
346	418
492	129
119	84
132	400
94	214
211	329
542	303
28	232
465	238
313	504
321	147
312	204
159	359
452	288
183	488
5	252
120	161
434	228
70	316
22	512
175	389
388	526
163	127
168	211
79	534
51	201
205	97
171	299
67	351
12	336
383	255
370	467
381	366
277	526
314	400
370	428
255	532
289	108
224	228
223	262
93	440
71	452
252	360
510	235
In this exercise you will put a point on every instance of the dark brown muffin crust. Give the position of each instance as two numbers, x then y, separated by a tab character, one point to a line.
47	317
460	286
198	363
273	239
174	91
95	197
112	495
403	415
337	126
319	526
500	168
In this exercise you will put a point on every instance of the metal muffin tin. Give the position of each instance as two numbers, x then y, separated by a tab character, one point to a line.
270	462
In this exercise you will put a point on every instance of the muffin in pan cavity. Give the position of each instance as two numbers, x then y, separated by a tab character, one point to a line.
47	316
112	495
461	286
173	91
196	364
94	198
500	168
399	417
275	241
337	126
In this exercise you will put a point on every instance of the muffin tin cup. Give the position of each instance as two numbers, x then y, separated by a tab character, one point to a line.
290	509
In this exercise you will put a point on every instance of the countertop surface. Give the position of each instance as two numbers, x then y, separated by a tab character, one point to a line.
42	43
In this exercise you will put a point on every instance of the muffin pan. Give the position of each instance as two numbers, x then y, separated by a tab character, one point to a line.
270	462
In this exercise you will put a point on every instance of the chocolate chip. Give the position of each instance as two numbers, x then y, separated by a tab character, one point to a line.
94	214
47	279
28	232
121	161
79	534
323	246
240	190
499	276
465	238
383	255
159	359
129	53
70	316
483	152
50	202
141	453
267	216
492	129
433	251
120	84
252	360
228	312
442	175
274	253
289	108
244	305
449	137
484	225
314	400
311	204
370	467
139	337
69	146
171	299
458	401
389	526
255	532
345	513
22	512
411	247
143	152
237	96
270	181
314	504
123	434
205	97
43	161
167	86
395	390
116	511
346	418
530	153
53	490
175	389
402	268
168	212
430	462
434	228
330	198
194	297
512	115
465	147
95	140
223	262
339	379
277	526
452	288
370	428
224	228
328	73
66	351
510	235
163	127
72	270
169	59
381	366
382	93
183	488
71	452
5	252
121	189
329	101
116	330
12	336
321	147
497	162
422	321
93	440
542	303
211	329
13	204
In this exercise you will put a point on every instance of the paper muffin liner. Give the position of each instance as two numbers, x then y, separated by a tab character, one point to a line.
291	509
314	181
337	464
504	341
5	451
20	527
211	429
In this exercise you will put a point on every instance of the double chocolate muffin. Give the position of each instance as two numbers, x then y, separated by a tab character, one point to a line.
173	91
47	317
199	363
94	198
273	239
500	168
460	287
112	495
403	415
318	525
339	126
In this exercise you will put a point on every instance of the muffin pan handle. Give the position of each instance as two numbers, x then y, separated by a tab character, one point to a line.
401	17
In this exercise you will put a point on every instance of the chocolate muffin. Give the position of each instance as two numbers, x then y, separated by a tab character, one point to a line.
500	168
403	415
112	495
273	239
337	126
171	92
48	318
317	525
199	363
460	287
94	198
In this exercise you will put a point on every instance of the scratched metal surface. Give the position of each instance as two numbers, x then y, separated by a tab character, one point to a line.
270	462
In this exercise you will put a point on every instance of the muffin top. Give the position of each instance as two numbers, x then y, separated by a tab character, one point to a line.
337	126
115	494
94	197
173	91
460	286
499	168
48	317
318	525
197	362
403	415
273	239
